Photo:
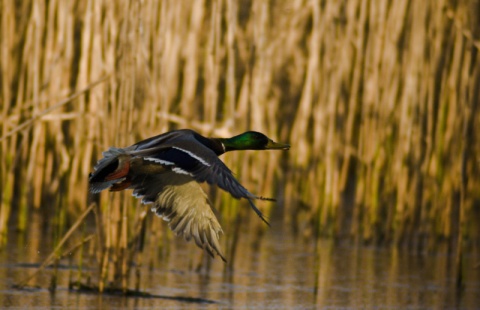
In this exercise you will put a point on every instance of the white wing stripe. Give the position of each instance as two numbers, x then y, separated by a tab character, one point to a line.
180	171
194	156
160	161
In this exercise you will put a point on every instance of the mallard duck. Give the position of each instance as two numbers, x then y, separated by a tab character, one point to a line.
166	170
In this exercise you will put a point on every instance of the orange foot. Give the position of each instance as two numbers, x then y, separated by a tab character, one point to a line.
120	186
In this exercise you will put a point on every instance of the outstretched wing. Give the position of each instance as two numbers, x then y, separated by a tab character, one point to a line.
180	201
203	165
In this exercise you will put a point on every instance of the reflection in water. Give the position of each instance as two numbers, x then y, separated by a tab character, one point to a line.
280	272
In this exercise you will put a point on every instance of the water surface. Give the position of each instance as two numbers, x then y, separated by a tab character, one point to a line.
279	272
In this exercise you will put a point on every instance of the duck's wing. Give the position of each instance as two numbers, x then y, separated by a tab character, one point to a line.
200	163
180	201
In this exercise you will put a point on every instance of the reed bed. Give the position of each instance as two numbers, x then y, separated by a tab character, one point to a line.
379	100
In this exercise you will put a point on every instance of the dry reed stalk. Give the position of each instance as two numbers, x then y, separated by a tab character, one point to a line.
375	98
56	251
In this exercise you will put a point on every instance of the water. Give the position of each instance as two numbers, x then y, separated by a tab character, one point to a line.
280	272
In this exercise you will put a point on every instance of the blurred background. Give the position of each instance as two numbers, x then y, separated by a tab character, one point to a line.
378	99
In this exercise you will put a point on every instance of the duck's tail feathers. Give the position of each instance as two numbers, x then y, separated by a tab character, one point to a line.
105	173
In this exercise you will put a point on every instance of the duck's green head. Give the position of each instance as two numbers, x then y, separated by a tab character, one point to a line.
252	140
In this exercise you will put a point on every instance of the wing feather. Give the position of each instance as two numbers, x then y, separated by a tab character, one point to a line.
181	200
203	165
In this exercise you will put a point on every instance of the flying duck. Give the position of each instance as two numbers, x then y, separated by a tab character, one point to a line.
166	170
